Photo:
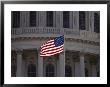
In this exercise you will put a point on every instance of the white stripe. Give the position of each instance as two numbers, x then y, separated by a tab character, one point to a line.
52	51
49	41
47	47
47	44
52	48
51	54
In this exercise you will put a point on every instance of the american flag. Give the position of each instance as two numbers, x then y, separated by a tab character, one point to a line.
52	47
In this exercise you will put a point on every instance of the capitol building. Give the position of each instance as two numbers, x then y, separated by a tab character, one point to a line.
81	55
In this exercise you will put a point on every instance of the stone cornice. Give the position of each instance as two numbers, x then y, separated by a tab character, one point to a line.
47	38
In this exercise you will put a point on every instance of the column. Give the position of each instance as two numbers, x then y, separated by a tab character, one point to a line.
77	69
91	21
54	18
71	19
40	65
76	20
87	20
73	68
36	62
58	68
82	65
93	66
61	65
24	19
42	18
89	67
59	19
94	72
19	63
37	18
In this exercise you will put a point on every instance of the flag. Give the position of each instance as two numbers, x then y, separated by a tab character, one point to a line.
52	47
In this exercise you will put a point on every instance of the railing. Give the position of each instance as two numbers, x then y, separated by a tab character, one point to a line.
53	30
89	35
44	30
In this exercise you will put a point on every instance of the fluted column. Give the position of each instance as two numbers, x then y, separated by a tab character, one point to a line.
71	19
59	19
54	18
87	20
91	21
82	64
37	18
42	18
73	67
93	67
19	63
24	18
76	20
61	65
36	62
58	68
40	65
94	72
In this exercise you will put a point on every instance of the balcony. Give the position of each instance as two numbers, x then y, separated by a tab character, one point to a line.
53	31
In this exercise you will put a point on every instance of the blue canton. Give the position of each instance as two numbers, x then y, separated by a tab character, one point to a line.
58	41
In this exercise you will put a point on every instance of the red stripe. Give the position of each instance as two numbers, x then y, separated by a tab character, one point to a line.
48	42
51	46
49	50
53	52
47	45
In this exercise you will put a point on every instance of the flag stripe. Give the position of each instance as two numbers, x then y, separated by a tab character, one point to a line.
48	43
53	53
53	50
52	47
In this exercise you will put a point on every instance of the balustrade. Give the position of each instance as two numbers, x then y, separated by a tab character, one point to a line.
53	30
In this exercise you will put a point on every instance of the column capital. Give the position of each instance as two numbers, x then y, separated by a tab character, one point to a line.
38	49
81	53
19	51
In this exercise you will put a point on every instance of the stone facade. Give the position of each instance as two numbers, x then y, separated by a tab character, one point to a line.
80	58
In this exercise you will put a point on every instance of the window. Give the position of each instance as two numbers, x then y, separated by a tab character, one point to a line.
49	19
32	18
50	70
96	23
68	71
31	70
66	19
16	19
82	20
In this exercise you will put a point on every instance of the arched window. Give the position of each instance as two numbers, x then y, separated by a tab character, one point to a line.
31	70
50	70
68	71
